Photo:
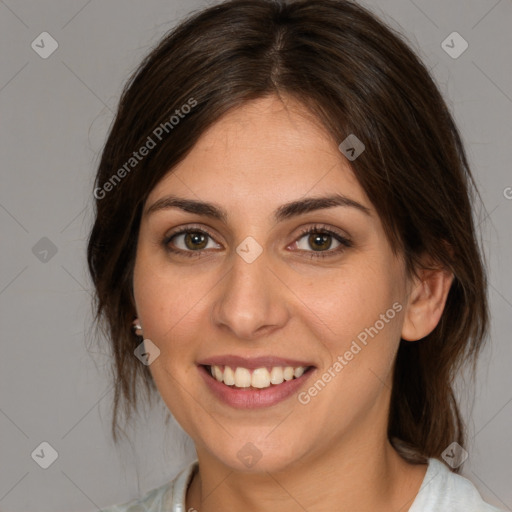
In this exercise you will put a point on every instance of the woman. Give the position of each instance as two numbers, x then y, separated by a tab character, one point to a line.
284	249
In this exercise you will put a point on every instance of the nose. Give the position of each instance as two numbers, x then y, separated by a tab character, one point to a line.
251	300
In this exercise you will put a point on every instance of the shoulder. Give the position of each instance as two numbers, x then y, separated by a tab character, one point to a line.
160	499
150	502
442	490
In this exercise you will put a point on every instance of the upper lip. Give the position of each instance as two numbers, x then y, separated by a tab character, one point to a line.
252	363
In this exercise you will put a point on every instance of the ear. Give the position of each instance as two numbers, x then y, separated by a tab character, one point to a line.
426	302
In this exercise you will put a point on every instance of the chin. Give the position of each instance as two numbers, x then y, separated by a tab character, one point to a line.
253	457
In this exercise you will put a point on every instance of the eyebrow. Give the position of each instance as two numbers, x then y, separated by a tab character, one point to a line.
284	212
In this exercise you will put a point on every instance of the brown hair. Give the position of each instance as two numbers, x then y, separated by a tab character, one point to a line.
356	76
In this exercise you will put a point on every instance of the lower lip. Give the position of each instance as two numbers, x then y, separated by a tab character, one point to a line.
251	398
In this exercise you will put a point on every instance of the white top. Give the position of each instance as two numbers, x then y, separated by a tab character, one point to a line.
441	491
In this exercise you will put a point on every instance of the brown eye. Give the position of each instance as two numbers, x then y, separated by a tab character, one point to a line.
189	241
318	242
195	240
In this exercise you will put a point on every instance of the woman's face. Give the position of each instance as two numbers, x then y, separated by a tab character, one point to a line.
254	289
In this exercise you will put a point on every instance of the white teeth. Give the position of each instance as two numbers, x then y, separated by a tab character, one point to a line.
298	372
229	376
288	373
276	375
242	378
218	373
259	378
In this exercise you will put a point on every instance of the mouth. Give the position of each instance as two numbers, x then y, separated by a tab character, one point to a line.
256	383
257	378
255	388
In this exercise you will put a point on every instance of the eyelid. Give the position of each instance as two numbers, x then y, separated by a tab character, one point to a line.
190	227
325	228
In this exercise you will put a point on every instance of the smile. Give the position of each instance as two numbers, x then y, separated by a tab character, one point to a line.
253	388
259	378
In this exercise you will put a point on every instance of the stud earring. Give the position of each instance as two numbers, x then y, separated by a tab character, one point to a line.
137	328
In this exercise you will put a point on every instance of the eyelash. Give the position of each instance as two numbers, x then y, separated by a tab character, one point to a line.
345	243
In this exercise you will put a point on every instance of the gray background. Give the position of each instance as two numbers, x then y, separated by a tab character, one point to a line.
55	112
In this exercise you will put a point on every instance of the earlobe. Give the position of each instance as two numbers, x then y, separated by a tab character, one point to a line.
426	303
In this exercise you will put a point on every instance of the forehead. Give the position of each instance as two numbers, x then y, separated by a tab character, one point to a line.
264	149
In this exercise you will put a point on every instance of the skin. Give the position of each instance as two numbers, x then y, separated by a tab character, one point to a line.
331	453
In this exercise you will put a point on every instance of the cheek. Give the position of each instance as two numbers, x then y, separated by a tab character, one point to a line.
161	297
173	309
169	308
348	302
360	327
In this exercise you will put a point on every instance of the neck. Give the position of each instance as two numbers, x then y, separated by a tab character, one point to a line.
349	476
